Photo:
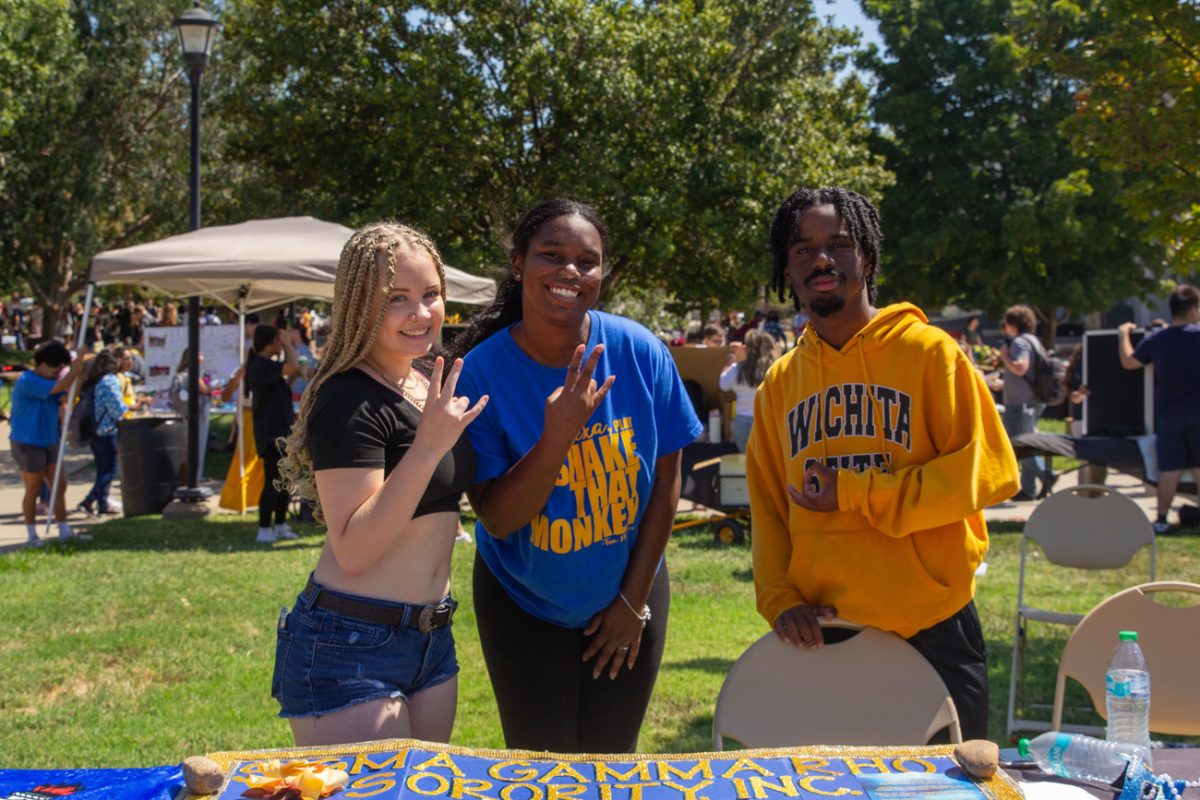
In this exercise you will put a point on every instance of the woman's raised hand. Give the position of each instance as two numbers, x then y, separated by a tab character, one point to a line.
569	407
445	416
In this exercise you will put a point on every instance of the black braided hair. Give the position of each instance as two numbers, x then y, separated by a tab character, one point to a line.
862	223
506	307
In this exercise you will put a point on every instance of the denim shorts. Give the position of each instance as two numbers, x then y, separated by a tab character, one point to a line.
327	662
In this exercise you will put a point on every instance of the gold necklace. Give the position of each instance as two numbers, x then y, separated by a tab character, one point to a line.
401	384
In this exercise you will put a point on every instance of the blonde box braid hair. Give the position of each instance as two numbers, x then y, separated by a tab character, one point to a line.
358	309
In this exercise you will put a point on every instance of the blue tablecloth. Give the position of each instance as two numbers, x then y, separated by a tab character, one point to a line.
151	783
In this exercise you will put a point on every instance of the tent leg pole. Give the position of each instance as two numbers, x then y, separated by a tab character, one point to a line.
241	420
80	336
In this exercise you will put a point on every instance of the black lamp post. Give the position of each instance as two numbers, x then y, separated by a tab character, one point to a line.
196	29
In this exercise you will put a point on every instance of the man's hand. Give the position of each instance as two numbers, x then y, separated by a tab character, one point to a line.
819	492
1125	346
799	626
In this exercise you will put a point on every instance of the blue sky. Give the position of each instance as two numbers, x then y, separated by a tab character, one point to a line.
847	14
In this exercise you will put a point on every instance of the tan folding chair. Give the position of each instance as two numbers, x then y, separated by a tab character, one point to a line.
1086	527
1170	639
872	689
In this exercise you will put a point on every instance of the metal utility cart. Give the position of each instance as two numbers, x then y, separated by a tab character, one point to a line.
714	476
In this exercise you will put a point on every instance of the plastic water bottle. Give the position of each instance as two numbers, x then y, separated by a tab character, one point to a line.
714	426
1127	693
1081	758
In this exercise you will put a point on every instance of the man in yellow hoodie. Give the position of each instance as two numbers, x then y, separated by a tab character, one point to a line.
875	449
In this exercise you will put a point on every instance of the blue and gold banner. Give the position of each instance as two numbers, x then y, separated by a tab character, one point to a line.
403	769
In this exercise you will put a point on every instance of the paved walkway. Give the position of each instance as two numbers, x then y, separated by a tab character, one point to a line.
80	473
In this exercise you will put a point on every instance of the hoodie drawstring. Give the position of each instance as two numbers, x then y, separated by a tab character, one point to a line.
876	411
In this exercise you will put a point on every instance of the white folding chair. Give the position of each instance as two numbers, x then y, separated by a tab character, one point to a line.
871	689
1086	527
1170	639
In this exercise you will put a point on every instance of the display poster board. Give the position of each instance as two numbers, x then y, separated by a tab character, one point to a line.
703	365
165	346
1121	402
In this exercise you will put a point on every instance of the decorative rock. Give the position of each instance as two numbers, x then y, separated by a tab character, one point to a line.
202	775
979	758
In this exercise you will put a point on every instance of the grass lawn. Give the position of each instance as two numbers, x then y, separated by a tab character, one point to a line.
155	641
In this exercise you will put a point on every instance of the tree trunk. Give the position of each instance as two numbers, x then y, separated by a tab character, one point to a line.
55	287
1048	325
612	279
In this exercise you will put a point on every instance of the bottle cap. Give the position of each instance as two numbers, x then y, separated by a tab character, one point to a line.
1022	746
1128	636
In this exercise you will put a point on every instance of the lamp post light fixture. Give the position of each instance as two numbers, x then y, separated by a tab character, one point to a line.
196	28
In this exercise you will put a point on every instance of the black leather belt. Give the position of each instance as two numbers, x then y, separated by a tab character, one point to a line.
427	618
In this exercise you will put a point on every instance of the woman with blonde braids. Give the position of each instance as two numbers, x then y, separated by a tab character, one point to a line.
367	651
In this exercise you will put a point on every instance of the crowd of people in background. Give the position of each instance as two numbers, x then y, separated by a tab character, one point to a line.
124	322
108	374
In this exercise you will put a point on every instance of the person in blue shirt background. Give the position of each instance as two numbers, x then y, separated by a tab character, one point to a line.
577	481
36	398
108	409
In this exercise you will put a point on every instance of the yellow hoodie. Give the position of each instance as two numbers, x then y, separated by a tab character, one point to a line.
920	451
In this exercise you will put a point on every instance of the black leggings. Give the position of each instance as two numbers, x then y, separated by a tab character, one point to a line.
271	500
547	697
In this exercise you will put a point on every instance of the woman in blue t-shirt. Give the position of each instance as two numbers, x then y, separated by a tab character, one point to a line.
576	486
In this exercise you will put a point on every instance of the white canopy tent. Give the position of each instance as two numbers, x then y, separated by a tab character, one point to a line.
246	267
271	261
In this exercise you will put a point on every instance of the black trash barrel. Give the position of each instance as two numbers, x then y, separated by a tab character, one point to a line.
152	456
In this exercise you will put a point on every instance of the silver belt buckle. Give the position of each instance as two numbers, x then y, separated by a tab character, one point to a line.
434	616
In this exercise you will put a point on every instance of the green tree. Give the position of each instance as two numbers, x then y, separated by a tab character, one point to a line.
92	137
684	121
1135	65
990	205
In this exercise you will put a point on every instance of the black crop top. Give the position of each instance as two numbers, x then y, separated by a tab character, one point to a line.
356	421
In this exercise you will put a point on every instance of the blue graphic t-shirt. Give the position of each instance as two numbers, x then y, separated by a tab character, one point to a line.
34	411
568	563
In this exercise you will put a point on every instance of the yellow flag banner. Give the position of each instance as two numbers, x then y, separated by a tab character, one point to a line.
414	770
242	487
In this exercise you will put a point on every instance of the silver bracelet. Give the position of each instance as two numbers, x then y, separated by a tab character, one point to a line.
643	615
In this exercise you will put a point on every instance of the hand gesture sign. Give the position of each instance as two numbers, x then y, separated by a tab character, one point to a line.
445	416
570	406
820	491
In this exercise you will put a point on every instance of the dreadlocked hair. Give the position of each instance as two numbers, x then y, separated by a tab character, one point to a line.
857	212
364	279
506	308
761	352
